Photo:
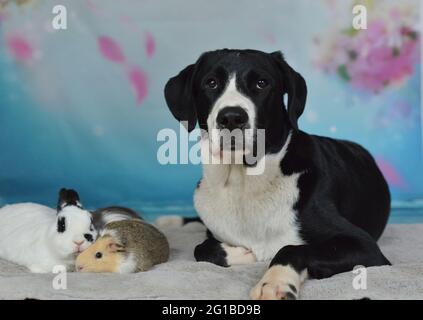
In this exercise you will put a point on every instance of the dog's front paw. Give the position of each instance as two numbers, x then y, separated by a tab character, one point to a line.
278	283
273	291
238	255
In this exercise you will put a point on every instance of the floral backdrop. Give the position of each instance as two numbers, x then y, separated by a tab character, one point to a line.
81	107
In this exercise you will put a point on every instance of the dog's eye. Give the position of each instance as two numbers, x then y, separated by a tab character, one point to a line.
98	255
262	83
211	83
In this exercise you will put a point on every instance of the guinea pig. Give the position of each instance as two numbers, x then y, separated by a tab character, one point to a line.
124	247
41	238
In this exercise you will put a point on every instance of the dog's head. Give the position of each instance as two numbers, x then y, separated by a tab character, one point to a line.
239	89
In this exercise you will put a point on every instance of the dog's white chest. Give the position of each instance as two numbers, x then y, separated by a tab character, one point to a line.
256	212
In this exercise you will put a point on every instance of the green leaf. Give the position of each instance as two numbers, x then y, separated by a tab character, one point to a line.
351	32
343	72
396	51
413	35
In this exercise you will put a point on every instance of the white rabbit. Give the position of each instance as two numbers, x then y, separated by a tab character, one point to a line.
41	238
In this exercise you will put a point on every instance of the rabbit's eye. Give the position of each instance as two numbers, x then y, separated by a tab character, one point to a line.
61	225
98	255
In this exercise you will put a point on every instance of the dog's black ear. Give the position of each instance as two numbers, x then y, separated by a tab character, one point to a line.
68	197
178	95
295	87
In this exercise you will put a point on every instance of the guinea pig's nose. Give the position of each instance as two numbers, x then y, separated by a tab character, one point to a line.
78	243
232	118
79	268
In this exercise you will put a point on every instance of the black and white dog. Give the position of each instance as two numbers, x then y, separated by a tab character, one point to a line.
319	206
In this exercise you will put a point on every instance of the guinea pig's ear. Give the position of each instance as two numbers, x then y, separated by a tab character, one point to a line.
295	87
178	94
113	247
68	197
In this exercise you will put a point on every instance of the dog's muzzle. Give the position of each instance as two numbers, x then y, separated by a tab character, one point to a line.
232	123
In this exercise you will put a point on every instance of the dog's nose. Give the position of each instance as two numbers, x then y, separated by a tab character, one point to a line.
232	118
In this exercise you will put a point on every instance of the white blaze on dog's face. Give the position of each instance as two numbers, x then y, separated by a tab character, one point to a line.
231	122
232	92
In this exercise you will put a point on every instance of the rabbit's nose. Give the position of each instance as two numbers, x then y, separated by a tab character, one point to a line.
78	243
88	237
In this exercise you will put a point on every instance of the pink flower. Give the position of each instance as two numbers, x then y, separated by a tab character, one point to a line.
20	48
374	58
379	64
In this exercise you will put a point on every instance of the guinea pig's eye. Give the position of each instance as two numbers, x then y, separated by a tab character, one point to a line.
98	255
211	83
262	83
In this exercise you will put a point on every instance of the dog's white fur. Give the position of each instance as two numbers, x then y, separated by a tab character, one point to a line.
29	236
252	211
238	255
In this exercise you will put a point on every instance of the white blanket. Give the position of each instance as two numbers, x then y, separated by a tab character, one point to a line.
183	278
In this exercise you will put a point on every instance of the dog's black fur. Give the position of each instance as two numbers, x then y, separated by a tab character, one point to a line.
344	201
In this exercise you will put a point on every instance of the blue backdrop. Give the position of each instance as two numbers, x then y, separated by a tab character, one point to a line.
82	107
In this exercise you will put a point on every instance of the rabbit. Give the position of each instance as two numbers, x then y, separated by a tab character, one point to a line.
41	238
125	246
103	216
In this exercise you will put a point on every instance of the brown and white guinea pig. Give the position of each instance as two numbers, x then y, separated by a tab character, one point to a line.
123	247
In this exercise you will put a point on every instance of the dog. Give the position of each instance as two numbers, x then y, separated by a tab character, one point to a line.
320	204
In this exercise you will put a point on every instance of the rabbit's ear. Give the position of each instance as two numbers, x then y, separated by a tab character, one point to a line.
68	197
61	224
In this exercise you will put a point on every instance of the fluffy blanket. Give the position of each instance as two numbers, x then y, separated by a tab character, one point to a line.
183	278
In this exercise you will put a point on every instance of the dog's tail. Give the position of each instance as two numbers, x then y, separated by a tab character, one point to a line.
175	221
